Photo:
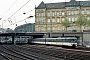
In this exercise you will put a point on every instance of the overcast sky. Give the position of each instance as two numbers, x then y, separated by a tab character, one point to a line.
11	11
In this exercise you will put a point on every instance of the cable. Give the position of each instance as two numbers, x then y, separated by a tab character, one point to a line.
16	12
18	9
23	13
33	9
28	11
10	6
18	21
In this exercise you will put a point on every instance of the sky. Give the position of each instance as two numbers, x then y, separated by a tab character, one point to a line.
11	11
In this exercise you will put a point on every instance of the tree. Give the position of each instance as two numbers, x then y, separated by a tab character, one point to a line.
66	23
81	21
88	22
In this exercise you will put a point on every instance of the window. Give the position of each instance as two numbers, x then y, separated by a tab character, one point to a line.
70	28
88	18
48	21
39	28
88	11
72	12
62	27
48	28
76	12
69	20
63	19
69	12
58	13
53	13
42	14
48	13
63	13
58	27
53	20
53	28
39	14
40	21
82	12
73	20
58	20
42	28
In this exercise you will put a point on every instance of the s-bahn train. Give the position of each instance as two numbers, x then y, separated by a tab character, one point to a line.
5	39
64	41
21	39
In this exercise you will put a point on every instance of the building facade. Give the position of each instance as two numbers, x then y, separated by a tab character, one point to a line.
49	16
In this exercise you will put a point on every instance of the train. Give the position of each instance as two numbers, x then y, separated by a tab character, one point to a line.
5	39
17	39
21	39
60	41
64	41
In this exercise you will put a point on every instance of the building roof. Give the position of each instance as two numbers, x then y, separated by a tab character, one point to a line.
19	27
58	5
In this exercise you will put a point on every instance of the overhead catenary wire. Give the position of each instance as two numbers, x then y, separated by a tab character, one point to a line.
19	9
16	12
34	8
28	11
20	21
10	7
23	13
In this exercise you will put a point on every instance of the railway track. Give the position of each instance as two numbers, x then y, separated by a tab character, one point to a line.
28	54
10	55
43	52
58	53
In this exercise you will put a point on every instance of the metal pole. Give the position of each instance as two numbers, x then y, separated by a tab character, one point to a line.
2	26
32	27
45	38
2	23
0	19
51	30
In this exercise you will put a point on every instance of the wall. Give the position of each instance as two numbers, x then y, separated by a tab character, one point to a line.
86	37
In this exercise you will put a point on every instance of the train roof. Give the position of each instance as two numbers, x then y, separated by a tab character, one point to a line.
59	38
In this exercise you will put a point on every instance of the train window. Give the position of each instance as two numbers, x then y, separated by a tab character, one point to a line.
71	40
54	40
59	40
49	40
67	40
74	40
63	40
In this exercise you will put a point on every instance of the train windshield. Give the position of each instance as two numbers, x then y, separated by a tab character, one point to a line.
71	40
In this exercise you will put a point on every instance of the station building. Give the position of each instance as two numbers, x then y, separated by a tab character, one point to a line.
30	27
49	16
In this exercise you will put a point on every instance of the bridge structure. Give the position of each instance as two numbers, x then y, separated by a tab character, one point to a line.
13	35
79	35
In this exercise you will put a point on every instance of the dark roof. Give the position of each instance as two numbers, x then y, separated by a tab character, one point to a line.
24	25
63	4
41	6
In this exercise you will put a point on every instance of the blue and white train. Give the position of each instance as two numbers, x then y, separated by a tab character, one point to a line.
64	41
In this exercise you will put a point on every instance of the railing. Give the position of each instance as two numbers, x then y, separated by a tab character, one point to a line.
69	31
